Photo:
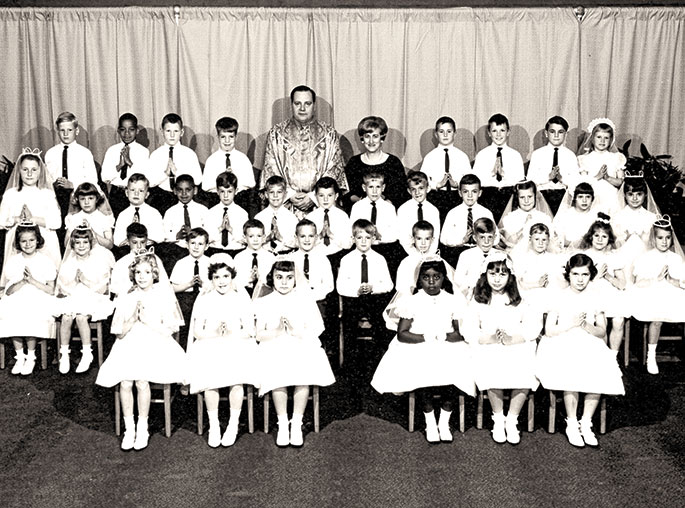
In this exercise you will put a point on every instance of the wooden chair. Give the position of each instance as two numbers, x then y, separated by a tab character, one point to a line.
412	408
341	334
42	343
551	422
531	410
166	399
249	396
313	396
96	338
680	327
626	342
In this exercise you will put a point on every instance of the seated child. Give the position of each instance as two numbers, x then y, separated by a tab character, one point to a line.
572	221
137	191
253	263
526	207
90	208
279	222
416	209
224	221
468	267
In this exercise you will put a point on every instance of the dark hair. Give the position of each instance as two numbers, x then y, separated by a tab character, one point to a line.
578	260
215	267
130	117
40	241
81	233
635	184
226	123
365	225
582	188
525	185
302	88
422	225
197	232
416	177
559	120
327	182
469	179
86	189
185	177
252	223
438	266
275	180
281	266
303	223
498	119
138	177
602	223
226	179
445	119
172	118
136	230
371	123
484	225
482	293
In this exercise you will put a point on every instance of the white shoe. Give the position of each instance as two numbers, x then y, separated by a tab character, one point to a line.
129	439
444	426
64	364
19	364
142	437
573	433
29	364
652	367
86	360
432	433
230	435
296	436
214	436
283	436
587	434
513	434
499	434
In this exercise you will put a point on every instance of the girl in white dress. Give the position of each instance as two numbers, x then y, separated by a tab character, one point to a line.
27	305
526	207
90	208
602	164
429	352
290	354
82	294
575	215
501	331
610	283
222	350
658	293
145	351
573	355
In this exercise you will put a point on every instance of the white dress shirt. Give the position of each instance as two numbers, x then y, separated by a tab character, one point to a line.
241	167
174	220
540	167
512	166
386	217
340	226
80	163
149	217
243	265
454	229
320	272
286	222
139	156
350	273
407	216
237	217
185	161
433	165
184	271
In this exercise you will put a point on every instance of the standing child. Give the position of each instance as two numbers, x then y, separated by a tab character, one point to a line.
221	347
27	307
526	207
333	224
658	293
575	215
416	209
573	355
502	331
144	351
90	208
290	353
137	191
429	353
83	293
279	222
254	262
224	221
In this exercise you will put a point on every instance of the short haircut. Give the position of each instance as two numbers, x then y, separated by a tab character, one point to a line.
559	120
577	261
539	227
373	175
81	233
227	179
40	241
185	177
439	266
215	267
138	177
364	225
498	119
422	225
148	258
484	225
87	189
227	124
469	179
369	124
130	117
482	292
327	182
602	223
416	177
65	117
582	188
275	180
136	230
304	223
302	88
253	223
281	266
172	118
443	120
196	233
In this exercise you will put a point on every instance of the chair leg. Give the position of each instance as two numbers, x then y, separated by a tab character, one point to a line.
167	410
266	413
117	411
250	409
552	412
200	414
315	403
626	342
531	411
2	356
100	343
644	343
341	336
43	354
412	410
462	423
479	411
603	416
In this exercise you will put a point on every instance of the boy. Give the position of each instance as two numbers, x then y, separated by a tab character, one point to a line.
468	268
254	262
138	211
169	161
279	222
554	167
136	239
457	231
498	166
227	158
333	223
312	260
416	209
423	236
190	275
444	166
122	160
224	222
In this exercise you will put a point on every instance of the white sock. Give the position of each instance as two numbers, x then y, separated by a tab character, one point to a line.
651	349
234	416
31	354
129	422
88	347
213	417
297	419
444	417
64	348
283	419
142	422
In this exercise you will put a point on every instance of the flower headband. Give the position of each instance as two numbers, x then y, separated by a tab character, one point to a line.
27	223
591	126
31	151
634	174
663	221
144	252
496	256
221	258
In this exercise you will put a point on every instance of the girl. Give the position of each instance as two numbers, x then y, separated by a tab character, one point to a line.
429	353
602	163
600	244
224	352
83	293
30	198
27	307
526	207
575	216
659	278
502	332
145	351
90	208
573	355
288	327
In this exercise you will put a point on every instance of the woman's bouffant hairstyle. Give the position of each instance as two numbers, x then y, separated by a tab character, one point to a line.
482	293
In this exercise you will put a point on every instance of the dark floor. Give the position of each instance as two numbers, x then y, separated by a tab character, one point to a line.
58	448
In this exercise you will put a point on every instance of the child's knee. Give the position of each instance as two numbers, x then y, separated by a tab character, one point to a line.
142	385
126	386
81	319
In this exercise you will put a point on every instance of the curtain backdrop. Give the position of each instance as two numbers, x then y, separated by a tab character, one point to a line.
409	66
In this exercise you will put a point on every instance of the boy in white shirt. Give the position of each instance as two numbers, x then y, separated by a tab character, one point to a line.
279	222
136	240
468	268
224	221
254	262
416	209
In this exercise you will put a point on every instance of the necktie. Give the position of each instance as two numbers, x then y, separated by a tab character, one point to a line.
374	212
419	212
255	262
274	231
124	169
224	232
365	269
136	214
172	177
228	161
498	164
186	216
196	271
555	163
469	224
447	168
64	161
326	227
305	268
